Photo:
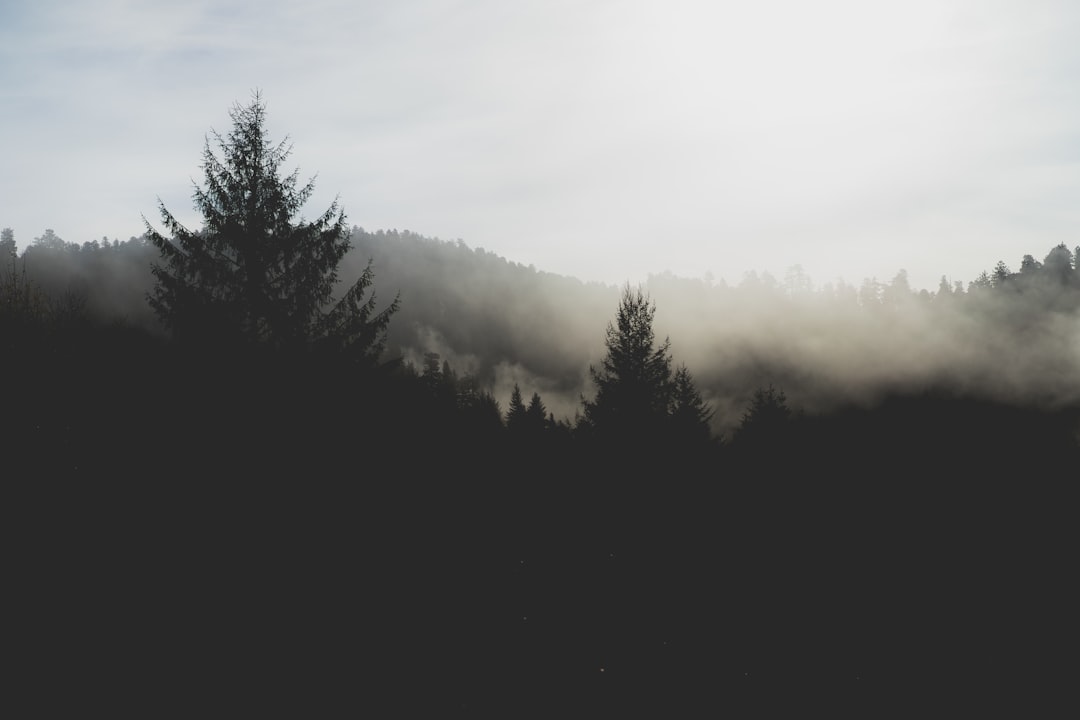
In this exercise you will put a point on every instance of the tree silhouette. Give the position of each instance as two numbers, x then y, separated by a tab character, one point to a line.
516	413
252	275
49	240
8	251
766	422
1029	265
690	415
535	415
23	305
634	379
1058	267
1001	274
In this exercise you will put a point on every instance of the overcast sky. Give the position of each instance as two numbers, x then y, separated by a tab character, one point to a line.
604	139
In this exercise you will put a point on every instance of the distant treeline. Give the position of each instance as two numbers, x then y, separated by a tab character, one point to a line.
1007	336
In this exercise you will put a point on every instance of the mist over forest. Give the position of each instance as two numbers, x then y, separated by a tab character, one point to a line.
1010	335
386	466
270	453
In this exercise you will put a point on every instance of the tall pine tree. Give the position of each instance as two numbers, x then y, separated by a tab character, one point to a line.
516	417
633	382
690	415
252	275
640	402
535	415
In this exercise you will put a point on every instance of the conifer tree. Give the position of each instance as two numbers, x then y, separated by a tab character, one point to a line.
9	253
641	406
516	413
1001	274
252	275
7	245
535	414
766	421
633	382
690	415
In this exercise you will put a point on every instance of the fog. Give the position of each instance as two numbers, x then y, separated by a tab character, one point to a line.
827	346
1012	337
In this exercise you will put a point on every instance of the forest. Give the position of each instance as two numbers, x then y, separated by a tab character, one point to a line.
393	467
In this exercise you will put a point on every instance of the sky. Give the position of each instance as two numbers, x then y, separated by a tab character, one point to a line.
605	140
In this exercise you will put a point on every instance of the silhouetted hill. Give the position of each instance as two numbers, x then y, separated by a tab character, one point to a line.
1008	337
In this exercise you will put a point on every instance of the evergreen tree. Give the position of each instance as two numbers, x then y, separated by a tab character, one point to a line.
1057	266
23	305
535	415
898	291
1029	265
480	413
980	283
516	413
634	379
450	381
439	379
944	289
690	415
251	274
7	243
1001	274
49	240
9	252
766	422
432	368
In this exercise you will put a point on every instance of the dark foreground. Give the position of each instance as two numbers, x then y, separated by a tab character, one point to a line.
177	549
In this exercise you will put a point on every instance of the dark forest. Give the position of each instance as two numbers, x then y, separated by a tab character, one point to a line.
410	474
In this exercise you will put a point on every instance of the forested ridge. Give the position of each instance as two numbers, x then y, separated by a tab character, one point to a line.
1008	336
543	495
